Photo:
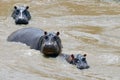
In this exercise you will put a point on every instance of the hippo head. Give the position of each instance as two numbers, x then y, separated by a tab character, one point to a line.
80	61
21	14
50	44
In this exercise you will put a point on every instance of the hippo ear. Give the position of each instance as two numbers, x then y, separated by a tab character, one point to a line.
27	7
85	55
57	33
72	56
45	33
15	7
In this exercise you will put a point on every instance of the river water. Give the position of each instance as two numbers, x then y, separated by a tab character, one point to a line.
85	26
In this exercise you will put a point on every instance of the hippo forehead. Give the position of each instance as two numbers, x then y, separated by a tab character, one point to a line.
79	57
51	34
21	8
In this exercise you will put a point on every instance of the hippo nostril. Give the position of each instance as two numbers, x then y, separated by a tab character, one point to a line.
46	46
83	59
49	46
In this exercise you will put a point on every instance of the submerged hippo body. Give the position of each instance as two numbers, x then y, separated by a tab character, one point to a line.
21	14
78	60
47	43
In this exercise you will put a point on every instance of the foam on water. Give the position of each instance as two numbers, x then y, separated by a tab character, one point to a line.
110	58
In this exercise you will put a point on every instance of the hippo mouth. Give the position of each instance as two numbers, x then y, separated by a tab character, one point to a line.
50	52
82	67
21	21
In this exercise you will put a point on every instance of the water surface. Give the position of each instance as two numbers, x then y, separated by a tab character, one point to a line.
85	26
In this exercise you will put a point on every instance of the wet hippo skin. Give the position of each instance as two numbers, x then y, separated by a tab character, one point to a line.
48	43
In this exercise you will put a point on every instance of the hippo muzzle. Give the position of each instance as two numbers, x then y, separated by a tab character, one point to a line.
21	21
50	49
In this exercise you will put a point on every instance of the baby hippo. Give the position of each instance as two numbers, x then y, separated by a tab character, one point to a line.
21	14
48	43
78	60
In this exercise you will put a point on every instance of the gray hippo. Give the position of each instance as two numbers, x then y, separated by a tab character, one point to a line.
78	60
21	14
48	43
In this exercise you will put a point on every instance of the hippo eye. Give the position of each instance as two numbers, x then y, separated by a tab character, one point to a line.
25	12
83	59
76	60
46	37
17	11
54	37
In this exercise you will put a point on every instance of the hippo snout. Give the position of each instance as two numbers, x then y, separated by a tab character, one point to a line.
83	67
21	21
49	49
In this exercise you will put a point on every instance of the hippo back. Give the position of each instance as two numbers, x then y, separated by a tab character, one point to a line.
29	36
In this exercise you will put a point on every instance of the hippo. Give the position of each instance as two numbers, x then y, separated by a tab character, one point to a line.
48	43
21	14
78	60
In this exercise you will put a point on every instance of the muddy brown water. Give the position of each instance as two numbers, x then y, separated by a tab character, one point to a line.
85	26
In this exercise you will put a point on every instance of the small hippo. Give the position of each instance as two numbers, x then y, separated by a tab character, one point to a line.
78	60
21	14
48	43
